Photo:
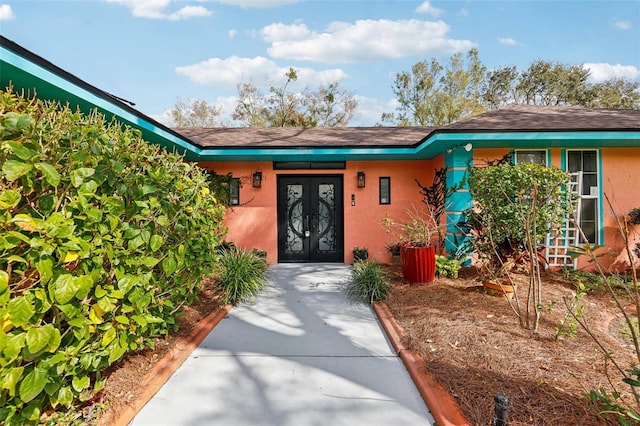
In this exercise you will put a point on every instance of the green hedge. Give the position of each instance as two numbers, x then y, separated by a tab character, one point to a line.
103	237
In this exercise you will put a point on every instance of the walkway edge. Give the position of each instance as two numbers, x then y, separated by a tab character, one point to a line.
162	371
442	405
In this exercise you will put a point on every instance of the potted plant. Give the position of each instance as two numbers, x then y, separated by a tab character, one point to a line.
394	249
360	254
416	237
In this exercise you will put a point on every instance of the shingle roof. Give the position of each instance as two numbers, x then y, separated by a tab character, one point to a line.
512	118
515	118
273	137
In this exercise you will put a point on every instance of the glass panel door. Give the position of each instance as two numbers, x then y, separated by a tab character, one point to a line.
310	219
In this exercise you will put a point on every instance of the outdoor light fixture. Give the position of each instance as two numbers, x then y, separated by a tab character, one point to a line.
257	179
361	180
467	147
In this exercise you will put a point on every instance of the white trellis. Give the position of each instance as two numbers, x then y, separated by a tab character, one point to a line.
561	240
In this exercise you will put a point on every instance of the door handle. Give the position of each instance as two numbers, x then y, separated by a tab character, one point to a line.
307	233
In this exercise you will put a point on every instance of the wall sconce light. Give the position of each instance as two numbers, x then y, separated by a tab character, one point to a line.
257	179
467	147
361	180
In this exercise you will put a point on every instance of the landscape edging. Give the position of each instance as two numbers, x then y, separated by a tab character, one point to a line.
170	362
443	407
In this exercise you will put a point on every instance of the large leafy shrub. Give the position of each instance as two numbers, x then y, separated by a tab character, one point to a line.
102	238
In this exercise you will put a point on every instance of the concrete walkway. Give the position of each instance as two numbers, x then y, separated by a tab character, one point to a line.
303	355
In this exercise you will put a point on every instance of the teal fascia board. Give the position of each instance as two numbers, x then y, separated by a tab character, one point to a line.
63	90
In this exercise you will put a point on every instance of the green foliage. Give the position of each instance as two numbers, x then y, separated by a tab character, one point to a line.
329	106
368	282
433	94
447	267
506	194
360	253
592	281
242	275
102	238
611	405
575	310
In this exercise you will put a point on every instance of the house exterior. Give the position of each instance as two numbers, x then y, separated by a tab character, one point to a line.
313	194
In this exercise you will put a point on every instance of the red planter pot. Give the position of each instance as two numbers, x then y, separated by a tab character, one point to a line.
418	264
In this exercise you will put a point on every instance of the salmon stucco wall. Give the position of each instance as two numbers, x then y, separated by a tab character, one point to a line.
253	224
621	185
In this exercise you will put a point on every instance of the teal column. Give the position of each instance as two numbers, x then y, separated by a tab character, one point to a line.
458	163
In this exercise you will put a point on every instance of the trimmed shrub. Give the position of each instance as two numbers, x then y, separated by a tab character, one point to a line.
242	275
368	282
103	237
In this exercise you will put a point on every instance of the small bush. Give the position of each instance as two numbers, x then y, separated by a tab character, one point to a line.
243	275
447	267
368	282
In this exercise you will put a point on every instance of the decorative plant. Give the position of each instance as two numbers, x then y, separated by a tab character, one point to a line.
447	267
622	406
360	253
518	204
242	275
394	249
419	230
368	282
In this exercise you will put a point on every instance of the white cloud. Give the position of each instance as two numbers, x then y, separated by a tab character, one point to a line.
463	12
602	71
258	4
155	9
233	33
427	8
6	13
362	41
507	41
369	110
259	70
621	24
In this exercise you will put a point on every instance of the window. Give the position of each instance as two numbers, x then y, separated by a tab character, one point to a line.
531	156
234	192
385	190
586	163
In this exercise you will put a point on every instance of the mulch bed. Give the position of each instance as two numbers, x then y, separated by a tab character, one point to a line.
473	344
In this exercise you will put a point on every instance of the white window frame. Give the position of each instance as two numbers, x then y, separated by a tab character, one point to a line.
591	195
545	151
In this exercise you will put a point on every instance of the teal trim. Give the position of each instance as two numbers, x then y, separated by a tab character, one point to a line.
563	160
459	201
27	75
600	200
548	157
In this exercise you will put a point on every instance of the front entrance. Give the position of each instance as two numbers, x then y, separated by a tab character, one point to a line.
310	218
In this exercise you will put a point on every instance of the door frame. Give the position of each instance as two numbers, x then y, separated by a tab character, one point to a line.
310	255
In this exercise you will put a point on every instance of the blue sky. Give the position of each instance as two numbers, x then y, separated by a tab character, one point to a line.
153	51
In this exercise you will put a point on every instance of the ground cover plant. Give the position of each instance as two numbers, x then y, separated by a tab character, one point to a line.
369	282
241	276
104	238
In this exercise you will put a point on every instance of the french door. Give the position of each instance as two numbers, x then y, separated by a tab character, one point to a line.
310	218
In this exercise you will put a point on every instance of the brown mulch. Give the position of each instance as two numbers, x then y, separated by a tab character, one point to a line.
471	342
